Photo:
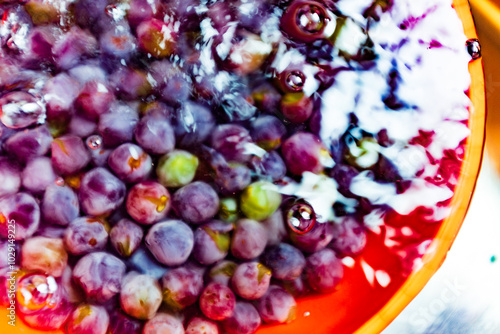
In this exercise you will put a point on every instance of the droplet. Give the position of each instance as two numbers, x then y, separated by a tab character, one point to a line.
295	80
311	18
59	181
94	142
301	217
474	48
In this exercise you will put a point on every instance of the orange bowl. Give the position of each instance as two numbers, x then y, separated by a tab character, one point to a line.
358	306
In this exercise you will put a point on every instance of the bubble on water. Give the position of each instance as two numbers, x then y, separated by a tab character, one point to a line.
59	181
311	18
94	142
295	80
301	217
474	48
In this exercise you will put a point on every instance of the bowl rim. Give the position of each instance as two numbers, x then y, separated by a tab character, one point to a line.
462	197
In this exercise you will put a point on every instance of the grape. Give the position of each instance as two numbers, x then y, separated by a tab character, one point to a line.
163	323
196	202
170	241
217	301
119	323
59	205
275	228
20	109
118	43
172	84
156	38
267	98
260	200
181	287
323	271
70	288
22	210
270	166
316	239
100	275
245	319
277	306
142	10
143	262
228	210
44	254
59	93
10	177
302	152
117	126
98	153
130	84
297	107
41	303
199	325
81	126
267	132
148	202
296	287
84	235
194	124
251	280
249	239
100	192
230	140
69	154
140	296
130	163
285	261
88	72
88	319
177	168
349	237
222	272
94	99
211	242
155	134
88	12
73	46
126	237
28	144
38	175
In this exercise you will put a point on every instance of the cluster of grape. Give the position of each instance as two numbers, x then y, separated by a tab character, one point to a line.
143	143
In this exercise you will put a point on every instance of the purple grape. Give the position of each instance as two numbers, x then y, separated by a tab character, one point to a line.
349	237
130	84
199	325
297	108
46	255
270	166
285	261
69	154
267	132
84	235
194	124
19	110
81	126
88	12
211	242
323	271
38	175
143	262
170	241
249	239
98	153
302	152
10	177
155	134
316	239
118	43
130	163
126	237
148	202
217	301
172	85
140	296
100	192
59	205
163	323
230	140
120	323
41	40
181	287
28	144
277	306
94	100
156	38
59	93
41	303
100	275
245	319
275	228
232	178
251	280
266	97
142	10
21	211
88	72
88	319
222	272
296	287
197	202
74	45
117	126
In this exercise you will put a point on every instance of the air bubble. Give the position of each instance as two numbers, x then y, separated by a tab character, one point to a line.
474	48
